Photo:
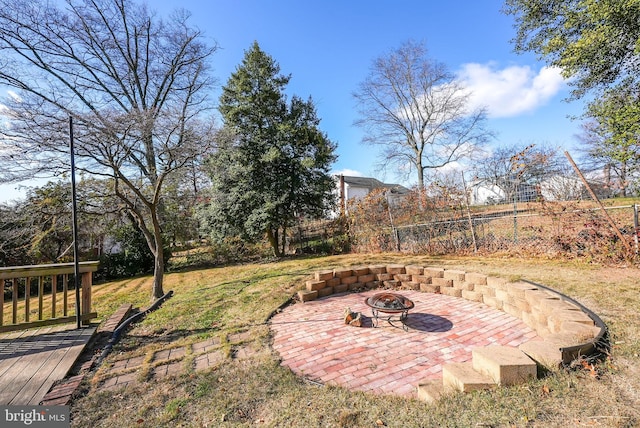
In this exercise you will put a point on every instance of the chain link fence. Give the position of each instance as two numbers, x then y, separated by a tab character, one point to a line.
570	233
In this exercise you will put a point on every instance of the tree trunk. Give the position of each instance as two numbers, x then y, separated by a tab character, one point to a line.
158	275
273	241
158	265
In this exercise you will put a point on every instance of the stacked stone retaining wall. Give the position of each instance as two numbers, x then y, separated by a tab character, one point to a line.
567	328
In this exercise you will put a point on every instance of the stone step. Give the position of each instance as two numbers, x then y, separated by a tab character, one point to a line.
462	377
430	390
505	365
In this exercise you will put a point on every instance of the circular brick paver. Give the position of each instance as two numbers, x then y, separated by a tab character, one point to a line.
314	342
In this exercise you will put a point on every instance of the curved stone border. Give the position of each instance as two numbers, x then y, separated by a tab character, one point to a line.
569	330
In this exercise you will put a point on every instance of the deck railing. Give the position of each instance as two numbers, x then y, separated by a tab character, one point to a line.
19	295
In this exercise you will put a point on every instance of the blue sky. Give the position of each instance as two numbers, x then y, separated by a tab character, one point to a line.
328	46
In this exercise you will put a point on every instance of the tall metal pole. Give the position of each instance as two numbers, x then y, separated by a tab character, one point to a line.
74	217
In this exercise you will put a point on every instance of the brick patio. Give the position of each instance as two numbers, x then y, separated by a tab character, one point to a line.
314	342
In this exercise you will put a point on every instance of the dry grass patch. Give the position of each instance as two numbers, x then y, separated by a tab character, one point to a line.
233	303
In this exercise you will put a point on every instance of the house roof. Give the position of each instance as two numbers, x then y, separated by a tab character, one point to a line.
372	183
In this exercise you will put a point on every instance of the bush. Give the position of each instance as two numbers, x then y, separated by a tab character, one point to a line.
135	258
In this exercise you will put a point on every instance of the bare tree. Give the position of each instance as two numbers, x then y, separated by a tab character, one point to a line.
134	84
417	111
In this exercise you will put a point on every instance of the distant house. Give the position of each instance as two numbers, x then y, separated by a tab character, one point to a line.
562	188
485	194
350	187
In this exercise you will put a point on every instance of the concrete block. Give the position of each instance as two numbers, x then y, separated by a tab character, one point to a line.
583	332
565	340
356	286
534	297
349	279
497	282
384	276
450	291
373	284
518	289
504	296
360	270
313	285
550	306
305	295
429	288
454	274
511	310
434	272
341	288
403	277
410	285
442	282
414	270
521	304
539	316
324	275
392	283
430	390
377	269
326	291
492	301
463	285
476	278
485	290
394	269
333	282
342	273
367	278
462	377
558	318
473	296
546	354
422	279
505	365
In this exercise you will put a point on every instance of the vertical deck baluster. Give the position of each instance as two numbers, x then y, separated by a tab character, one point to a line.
40	296
65	293
27	299
15	282
54	287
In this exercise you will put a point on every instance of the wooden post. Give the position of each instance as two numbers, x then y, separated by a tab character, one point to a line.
595	198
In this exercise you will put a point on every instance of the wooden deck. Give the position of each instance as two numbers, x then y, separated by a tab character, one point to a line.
31	361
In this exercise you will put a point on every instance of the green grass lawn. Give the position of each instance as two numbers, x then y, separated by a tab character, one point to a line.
257	391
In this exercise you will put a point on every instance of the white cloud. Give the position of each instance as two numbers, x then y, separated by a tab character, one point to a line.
512	90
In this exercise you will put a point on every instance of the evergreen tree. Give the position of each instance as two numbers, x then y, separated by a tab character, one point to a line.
272	163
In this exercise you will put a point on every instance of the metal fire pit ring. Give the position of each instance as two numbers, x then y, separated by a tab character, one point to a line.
394	306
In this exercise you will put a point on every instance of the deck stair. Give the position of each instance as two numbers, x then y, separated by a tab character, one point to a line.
489	367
